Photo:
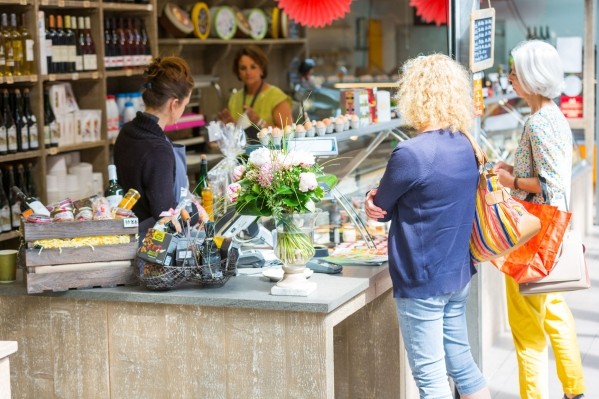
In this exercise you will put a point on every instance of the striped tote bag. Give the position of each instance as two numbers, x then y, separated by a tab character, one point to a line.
501	224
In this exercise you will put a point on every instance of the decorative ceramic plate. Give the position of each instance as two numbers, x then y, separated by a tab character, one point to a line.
200	17
257	21
276	273
223	21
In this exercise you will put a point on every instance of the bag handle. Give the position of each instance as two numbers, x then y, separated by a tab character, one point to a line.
481	158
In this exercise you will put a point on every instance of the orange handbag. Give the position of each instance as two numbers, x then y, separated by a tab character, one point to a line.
535	259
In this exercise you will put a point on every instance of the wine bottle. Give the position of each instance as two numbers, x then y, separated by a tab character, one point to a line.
17	46
90	57
59	48
8	50
203	175
9	123
2	54
21	182
31	121
29	202
51	49
28	50
50	126
5	224
210	269
114	192
13	201
79	44
71	44
30	184
3	136
20	123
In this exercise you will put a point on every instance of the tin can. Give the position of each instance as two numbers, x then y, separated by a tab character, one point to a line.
129	199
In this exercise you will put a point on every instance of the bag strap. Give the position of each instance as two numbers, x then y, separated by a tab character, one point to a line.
481	158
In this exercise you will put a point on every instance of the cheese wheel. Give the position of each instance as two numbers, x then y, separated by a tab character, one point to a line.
223	24
200	18
175	20
274	22
257	22
284	32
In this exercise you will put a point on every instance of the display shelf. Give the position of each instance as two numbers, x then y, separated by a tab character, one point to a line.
18	79
71	76
119	73
68	4
9	235
239	42
15	2
127	7
76	147
20	155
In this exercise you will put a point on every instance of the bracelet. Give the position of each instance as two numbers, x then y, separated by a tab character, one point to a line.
516	183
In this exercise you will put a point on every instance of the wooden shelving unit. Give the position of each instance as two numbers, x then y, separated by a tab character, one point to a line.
89	87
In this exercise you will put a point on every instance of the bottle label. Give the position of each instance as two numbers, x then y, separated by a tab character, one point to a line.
38	208
16	214
29	50
12	138
3	142
114	200
5	218
47	139
33	137
90	61
78	62
54	133
2	59
48	48
24	137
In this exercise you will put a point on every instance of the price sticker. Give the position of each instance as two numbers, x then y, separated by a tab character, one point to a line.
10	80
60	3
150	7
75	76
130	222
23	2
44	2
95	75
128	72
34	78
86	4
52	77
1	80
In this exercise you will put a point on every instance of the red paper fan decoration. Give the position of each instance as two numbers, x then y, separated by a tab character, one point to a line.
315	13
431	10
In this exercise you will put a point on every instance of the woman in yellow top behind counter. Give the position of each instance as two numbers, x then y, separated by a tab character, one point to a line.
263	103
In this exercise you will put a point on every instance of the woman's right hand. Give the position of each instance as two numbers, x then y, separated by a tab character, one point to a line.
503	166
225	117
373	211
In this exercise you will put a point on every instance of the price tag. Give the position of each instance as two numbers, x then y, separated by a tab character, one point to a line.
52	151
95	75
150	7
1	80
128	72
10	80
130	222
44	2
60	3
75	76
52	77
23	2
86	4
34	78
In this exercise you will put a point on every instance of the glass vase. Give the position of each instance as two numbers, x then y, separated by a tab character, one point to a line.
294	247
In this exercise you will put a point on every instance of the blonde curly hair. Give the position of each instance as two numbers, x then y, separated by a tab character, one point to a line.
435	90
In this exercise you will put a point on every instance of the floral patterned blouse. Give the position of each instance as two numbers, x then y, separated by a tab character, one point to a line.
547	133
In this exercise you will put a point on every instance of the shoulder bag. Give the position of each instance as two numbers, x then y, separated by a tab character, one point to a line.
500	224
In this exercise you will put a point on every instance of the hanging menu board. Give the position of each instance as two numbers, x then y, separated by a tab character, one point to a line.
482	39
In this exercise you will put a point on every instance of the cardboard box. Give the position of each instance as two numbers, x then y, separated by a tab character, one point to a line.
158	247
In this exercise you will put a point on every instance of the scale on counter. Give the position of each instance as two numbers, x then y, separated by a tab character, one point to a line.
317	146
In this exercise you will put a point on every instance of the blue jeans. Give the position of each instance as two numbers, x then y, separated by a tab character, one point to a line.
436	340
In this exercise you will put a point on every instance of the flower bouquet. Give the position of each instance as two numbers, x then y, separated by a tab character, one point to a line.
283	185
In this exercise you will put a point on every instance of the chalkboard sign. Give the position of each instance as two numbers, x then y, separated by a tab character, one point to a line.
482	39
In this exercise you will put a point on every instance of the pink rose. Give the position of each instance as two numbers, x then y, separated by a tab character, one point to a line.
238	172
307	182
233	191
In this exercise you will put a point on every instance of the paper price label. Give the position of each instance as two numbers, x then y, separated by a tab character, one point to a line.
10	80
85	5
60	3
130	222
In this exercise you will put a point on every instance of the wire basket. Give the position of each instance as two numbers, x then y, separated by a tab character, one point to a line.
157	277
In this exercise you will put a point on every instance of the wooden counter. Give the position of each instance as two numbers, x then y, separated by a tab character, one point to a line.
236	341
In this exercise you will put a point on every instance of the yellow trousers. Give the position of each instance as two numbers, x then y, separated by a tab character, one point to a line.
531	318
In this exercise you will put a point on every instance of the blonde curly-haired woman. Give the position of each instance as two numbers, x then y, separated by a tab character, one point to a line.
428	193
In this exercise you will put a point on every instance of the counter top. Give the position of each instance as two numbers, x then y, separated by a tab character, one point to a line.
247	290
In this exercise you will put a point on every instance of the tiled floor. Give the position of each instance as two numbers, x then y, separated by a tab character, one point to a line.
501	368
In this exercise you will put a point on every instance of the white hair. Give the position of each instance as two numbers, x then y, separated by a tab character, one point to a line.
539	68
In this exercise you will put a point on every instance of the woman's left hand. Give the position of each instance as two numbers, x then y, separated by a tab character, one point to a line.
253	116
506	179
373	211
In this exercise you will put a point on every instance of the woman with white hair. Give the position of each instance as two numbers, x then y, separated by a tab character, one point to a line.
541	174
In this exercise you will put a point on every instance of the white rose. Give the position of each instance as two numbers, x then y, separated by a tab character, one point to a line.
260	157
307	182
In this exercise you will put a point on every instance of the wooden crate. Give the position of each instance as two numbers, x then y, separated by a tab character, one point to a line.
78	268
